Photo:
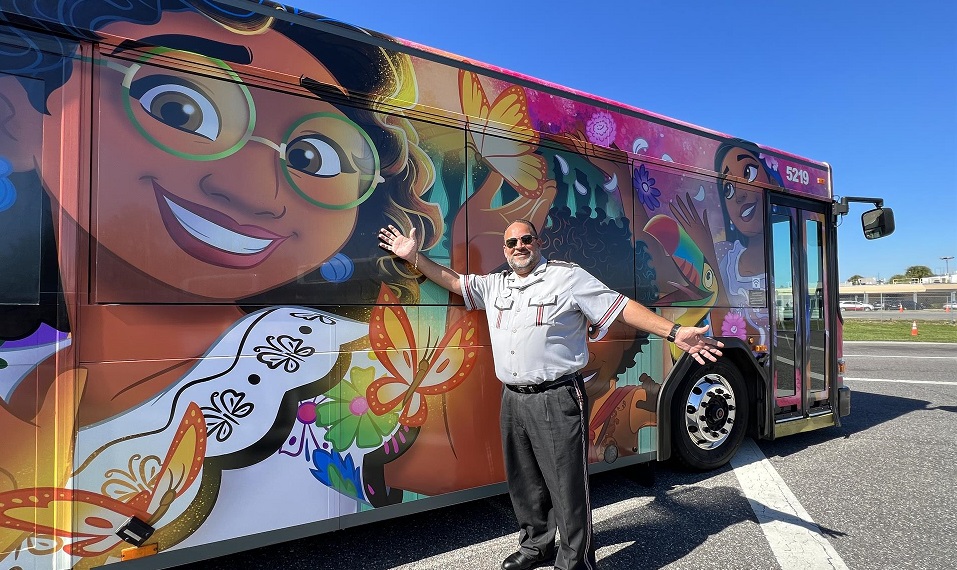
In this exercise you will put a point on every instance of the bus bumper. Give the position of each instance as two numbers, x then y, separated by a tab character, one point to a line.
844	401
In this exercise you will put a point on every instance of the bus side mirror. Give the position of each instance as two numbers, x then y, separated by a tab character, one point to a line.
878	223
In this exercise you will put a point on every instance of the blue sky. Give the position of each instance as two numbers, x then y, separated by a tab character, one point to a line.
869	87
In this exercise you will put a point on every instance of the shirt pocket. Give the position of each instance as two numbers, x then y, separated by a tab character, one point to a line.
542	310
503	311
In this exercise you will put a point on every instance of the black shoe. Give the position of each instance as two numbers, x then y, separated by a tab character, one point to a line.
522	561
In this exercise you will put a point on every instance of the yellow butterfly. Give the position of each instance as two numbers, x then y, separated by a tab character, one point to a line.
416	372
97	517
502	134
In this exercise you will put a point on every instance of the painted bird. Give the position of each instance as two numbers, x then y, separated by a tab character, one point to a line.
694	298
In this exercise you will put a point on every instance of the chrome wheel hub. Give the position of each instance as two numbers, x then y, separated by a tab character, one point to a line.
710	411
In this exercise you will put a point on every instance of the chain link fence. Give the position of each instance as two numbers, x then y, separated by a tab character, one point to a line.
907	301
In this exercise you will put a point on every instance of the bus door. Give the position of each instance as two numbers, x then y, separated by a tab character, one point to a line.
801	351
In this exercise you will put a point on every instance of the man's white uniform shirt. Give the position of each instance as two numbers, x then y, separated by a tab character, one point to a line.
539	323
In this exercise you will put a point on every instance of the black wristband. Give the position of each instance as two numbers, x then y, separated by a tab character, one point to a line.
673	333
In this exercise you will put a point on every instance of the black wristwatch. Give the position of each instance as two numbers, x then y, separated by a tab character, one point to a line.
673	333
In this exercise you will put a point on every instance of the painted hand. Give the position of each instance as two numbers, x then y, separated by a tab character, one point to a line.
696	225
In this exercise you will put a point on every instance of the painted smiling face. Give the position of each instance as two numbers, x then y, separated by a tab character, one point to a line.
213	186
745	205
604	358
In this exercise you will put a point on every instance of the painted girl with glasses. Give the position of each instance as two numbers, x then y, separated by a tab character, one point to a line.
221	186
741	256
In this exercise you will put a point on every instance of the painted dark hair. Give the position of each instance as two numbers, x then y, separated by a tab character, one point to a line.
30	293
601	245
732	233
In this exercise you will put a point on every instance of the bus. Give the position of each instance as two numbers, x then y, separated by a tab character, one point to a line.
203	349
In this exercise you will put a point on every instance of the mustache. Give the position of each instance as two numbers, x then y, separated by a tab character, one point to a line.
532	258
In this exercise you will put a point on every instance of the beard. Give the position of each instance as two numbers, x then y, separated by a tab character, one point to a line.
528	263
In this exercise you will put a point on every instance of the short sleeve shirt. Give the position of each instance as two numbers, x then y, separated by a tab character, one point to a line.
539	323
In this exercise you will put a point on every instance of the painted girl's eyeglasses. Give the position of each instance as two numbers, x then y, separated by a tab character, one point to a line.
527	239
326	158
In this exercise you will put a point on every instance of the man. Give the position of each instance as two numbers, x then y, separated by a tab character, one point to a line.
538	315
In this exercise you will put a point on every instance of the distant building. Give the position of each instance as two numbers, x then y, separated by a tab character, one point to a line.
940	279
904	296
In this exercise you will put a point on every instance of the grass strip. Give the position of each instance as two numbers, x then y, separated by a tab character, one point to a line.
927	331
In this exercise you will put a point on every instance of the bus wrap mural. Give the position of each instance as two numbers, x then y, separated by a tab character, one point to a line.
200	329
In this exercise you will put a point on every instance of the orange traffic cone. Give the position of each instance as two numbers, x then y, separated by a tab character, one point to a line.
947	309
913	329
900	308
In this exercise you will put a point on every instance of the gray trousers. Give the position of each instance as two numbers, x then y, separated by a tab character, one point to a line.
544	443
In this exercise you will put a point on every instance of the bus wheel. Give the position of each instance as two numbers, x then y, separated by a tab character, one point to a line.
710	416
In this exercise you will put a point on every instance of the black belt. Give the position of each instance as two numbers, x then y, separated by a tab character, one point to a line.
538	388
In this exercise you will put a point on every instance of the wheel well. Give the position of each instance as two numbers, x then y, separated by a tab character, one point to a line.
737	354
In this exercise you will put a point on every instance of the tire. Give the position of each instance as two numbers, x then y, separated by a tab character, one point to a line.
710	413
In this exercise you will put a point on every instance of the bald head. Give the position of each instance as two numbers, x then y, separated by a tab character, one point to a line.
524	224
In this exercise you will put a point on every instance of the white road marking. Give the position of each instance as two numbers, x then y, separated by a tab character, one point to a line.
899	356
941	383
900	343
795	539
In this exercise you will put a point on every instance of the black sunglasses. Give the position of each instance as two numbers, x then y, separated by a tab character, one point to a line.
526	239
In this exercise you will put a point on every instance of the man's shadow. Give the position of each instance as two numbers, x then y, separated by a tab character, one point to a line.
683	513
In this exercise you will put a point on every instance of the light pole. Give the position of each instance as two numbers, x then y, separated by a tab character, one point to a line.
947	258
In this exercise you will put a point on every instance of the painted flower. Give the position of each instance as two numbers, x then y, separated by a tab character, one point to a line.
349	418
601	128
770	161
645	187
338	473
734	325
306	441
546	112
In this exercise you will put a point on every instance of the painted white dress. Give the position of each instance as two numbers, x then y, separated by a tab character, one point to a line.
738	287
148	454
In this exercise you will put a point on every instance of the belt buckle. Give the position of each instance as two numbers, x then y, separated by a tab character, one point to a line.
526	389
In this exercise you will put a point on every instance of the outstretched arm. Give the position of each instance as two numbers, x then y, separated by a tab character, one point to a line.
689	339
391	239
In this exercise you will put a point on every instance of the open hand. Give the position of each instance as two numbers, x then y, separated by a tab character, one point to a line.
693	341
391	239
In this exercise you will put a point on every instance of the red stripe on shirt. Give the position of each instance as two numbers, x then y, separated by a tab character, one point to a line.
468	293
611	311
